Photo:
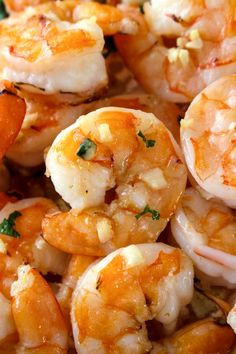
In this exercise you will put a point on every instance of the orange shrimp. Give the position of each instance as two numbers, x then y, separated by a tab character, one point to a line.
208	136
38	319
123	185
181	46
12	113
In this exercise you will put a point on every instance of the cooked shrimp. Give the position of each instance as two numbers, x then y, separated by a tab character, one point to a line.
116	296
64	10
12	112
39	321
108	17
205	230
182	46
21	241
208	134
167	112
20	5
44	120
53	57
122	174
76	267
41	44
201	337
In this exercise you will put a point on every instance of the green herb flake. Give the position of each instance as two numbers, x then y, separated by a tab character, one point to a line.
7	225
148	142
87	149
146	210
3	12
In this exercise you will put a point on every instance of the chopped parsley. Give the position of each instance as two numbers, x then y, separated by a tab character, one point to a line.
146	210
7	225
87	149
3	12
148	142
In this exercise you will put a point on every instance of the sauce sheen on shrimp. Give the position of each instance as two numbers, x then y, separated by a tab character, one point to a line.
44	54
116	296
181	46
121	172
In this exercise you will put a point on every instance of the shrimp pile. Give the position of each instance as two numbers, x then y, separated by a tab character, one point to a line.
44	120
181	46
118	177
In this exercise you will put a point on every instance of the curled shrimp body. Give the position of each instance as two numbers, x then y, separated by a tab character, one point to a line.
121	172
27	246
39	322
116	296
201	337
182	47
205	230
37	49
208	135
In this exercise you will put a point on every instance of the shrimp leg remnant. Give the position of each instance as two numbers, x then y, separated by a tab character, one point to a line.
45	53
